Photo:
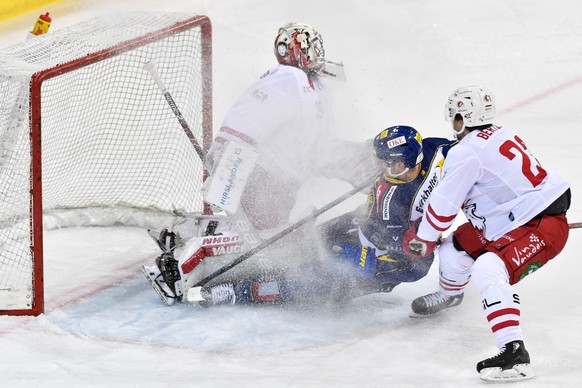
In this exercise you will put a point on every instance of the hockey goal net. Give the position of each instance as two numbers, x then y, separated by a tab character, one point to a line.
84	126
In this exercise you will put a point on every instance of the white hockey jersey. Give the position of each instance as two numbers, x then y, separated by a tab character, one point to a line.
494	178
287	116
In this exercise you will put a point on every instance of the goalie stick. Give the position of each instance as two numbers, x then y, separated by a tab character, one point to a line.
151	67
194	292
248	232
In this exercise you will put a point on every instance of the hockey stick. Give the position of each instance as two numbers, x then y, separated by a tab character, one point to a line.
151	67
196	288
240	221
194	292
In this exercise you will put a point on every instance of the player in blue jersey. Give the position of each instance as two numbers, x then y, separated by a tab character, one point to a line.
363	248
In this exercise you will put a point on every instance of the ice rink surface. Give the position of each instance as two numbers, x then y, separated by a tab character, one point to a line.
104	326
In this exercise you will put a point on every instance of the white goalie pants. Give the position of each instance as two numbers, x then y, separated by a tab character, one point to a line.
488	272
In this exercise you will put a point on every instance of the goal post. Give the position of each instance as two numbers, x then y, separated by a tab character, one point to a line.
86	133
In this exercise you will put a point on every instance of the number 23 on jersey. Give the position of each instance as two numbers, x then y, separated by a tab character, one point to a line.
512	149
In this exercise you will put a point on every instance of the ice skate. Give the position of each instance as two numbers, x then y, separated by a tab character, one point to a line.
433	303
169	269
511	364
156	280
164	276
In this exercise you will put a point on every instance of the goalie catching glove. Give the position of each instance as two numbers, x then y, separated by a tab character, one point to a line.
416	246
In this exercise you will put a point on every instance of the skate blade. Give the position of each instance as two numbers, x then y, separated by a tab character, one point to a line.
518	373
412	314
152	274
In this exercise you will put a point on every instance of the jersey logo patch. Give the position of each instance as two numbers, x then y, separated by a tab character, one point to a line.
396	142
478	222
386	203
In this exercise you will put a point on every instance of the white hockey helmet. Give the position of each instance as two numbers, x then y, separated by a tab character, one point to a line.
474	103
301	46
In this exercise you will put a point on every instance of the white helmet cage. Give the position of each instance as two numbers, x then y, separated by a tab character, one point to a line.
474	103
300	45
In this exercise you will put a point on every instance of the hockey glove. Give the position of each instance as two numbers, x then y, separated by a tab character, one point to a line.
415	246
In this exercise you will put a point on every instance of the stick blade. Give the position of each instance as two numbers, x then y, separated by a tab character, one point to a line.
195	295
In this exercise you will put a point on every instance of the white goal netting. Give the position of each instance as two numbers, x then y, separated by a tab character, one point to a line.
84	126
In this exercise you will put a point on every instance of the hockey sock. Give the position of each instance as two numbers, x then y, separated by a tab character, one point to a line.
500	301
502	310
455	268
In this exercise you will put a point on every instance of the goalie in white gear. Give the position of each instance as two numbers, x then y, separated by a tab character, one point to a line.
277	136
287	118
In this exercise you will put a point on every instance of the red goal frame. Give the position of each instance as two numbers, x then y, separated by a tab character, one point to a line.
35	125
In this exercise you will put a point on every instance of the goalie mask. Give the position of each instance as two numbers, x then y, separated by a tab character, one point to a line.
399	144
475	105
301	46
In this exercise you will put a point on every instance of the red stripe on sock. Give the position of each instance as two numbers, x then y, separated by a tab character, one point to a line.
503	325
498	313
452	287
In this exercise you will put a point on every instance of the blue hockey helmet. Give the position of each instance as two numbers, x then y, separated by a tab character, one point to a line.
399	144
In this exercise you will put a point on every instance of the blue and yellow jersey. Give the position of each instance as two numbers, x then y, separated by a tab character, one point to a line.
393	204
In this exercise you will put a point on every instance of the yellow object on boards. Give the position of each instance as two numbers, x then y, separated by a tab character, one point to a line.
42	24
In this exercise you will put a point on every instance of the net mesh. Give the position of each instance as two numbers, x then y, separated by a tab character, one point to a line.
109	139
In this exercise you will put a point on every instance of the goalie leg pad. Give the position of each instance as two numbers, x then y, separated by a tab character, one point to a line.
232	168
